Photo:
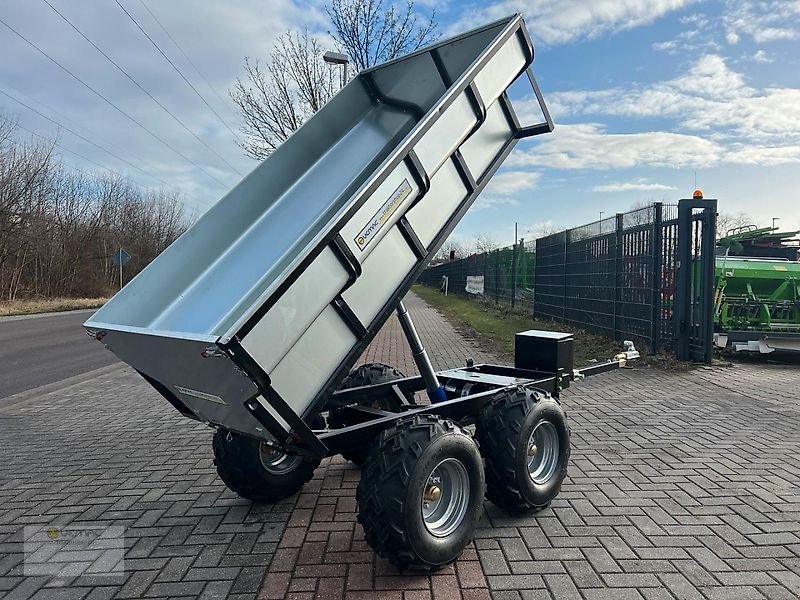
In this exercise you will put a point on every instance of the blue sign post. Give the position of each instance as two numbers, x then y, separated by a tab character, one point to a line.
119	258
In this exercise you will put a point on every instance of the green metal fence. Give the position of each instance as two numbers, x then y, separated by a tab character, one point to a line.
504	275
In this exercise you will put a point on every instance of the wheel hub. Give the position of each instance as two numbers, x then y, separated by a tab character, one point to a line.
276	462
446	497
433	493
543	451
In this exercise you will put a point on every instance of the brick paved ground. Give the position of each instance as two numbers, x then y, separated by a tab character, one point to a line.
681	486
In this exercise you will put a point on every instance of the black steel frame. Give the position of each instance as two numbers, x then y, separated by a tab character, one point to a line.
488	379
694	318
648	276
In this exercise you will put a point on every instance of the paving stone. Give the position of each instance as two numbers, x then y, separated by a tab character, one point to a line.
667	497
470	574
493	562
582	574
180	588
733	593
615	594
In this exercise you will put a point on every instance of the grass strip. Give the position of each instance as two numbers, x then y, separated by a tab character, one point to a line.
495	325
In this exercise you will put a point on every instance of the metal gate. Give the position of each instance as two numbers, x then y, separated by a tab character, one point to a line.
646	275
694	317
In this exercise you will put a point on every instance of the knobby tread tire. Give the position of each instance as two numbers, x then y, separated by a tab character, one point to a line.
498	430
238	464
368	374
383	489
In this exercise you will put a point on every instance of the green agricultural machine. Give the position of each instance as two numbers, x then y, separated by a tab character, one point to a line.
757	297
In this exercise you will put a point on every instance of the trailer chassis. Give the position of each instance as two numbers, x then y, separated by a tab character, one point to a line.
458	394
489	378
424	474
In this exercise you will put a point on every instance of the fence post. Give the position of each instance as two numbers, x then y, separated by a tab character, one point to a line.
497	276
485	282
533	282
620	225
658	243
708	261
514	276
683	269
564	296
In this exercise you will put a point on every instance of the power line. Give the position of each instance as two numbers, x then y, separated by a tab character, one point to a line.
172	64
107	101
85	139
139	85
110	144
87	159
189	60
64	148
98	137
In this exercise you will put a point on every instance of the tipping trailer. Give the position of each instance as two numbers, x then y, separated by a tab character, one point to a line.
252	319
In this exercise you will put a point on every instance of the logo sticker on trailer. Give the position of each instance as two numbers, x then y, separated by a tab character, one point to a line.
379	219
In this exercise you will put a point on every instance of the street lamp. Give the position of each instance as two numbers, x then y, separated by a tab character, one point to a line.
337	58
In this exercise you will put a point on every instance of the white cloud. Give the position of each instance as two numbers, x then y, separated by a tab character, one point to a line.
762	155
708	84
710	77
696	37
510	182
488	202
589	146
762	20
743	125
562	21
762	57
670	46
746	124
502	186
638	185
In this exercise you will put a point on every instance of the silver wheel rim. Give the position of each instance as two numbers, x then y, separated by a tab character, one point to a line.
275	461
543	450
445	498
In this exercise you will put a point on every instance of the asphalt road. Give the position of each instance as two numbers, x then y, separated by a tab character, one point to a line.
41	350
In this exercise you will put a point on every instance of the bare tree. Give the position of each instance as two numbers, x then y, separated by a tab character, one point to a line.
483	243
7	130
374	31
451	247
729	221
540	230
280	94
59	226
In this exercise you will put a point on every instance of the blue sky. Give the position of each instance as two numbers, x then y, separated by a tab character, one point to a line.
644	93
